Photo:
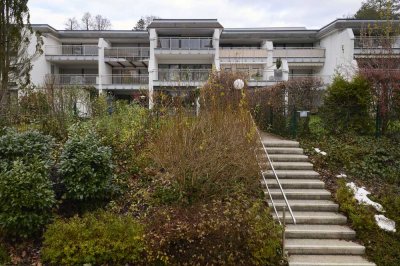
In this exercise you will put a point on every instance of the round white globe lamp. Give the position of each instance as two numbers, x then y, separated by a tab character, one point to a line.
238	84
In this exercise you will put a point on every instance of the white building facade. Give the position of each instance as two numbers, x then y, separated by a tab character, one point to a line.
178	55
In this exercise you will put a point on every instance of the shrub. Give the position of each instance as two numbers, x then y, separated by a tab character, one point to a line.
236	231
208	156
26	197
126	130
347	106
85	165
100	238
25	145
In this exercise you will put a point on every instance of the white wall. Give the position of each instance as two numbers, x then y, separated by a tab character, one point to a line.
40	66
339	53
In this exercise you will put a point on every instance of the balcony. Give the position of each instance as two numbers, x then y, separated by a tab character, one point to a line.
301	56
127	56
72	79
125	82
244	55
68	53
197	47
303	77
109	82
373	47
182	77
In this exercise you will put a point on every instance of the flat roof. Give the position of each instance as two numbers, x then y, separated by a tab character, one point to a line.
185	23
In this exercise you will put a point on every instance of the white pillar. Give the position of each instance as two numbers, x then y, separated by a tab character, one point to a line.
104	69
285	69
153	66
268	67
215	43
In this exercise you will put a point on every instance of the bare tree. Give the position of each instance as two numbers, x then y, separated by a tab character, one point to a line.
87	21
380	65
144	22
71	24
101	23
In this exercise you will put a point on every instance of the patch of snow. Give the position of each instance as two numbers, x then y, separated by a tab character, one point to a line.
317	150
385	223
341	175
361	195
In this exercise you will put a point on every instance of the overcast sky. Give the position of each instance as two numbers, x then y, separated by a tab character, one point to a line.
230	13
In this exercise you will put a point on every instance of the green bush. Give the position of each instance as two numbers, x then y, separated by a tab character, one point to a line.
236	231
25	145
85	165
26	197
347	106
97	238
126	131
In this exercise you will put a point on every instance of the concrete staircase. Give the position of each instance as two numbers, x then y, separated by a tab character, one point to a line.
321	236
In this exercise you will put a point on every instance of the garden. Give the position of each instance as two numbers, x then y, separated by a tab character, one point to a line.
353	141
89	181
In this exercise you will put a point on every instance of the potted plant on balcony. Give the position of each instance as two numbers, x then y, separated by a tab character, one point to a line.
278	70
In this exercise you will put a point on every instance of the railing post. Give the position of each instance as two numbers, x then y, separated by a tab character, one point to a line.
283	230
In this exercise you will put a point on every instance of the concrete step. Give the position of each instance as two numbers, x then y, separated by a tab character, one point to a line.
302	174
277	150
292	166
295	183
300	194
323	247
328	260
305	217
311	231
288	158
306	205
281	143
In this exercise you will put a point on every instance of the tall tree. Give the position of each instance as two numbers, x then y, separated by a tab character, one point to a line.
87	21
16	37
381	67
101	23
71	24
144	22
377	9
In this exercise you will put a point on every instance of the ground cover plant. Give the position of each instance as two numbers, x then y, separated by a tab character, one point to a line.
183	189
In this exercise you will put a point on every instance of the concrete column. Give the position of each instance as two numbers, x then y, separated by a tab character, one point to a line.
268	67
153	66
104	69
215	43
285	70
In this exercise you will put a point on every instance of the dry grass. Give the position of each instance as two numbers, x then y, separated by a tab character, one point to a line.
211	155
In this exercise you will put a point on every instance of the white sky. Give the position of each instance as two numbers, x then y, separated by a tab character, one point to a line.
230	13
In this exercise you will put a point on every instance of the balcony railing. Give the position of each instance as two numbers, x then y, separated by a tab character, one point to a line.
299	52
72	79
376	46
242	52
72	50
137	53
125	79
189	43
186	75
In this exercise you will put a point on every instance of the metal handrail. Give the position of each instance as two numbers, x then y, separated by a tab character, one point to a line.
72	50
185	43
276	177
299	48
124	52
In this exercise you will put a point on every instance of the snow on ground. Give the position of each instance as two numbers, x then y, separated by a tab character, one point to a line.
385	223
317	150
361	195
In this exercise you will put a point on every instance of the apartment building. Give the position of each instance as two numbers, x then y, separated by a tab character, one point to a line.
177	55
